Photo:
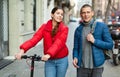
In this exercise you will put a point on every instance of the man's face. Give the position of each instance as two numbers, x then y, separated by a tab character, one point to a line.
86	14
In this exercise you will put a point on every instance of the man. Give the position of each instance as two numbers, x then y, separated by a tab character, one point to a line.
89	43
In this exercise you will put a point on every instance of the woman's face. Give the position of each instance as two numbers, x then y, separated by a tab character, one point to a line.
58	15
86	14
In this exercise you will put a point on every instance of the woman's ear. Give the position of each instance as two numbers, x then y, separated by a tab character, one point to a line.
52	15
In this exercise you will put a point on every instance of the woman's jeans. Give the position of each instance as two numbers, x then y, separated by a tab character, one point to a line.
56	68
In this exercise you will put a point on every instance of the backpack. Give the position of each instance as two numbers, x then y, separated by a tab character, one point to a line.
107	53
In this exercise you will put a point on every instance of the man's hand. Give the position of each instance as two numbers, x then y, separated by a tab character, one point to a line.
90	38
75	61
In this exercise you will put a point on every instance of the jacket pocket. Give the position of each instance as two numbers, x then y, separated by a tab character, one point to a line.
98	56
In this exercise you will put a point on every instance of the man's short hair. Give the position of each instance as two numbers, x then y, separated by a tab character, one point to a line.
86	5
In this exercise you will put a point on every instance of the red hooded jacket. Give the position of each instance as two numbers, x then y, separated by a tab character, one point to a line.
55	46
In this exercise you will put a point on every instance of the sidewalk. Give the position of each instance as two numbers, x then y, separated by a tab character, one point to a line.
19	68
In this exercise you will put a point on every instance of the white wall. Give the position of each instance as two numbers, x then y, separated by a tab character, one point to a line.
21	20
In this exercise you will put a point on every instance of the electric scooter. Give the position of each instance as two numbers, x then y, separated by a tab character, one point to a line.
33	59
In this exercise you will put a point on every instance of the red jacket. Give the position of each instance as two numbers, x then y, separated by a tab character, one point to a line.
55	46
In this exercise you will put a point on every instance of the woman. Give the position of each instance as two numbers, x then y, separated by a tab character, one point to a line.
54	34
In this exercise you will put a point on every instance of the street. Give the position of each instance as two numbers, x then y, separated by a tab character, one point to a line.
19	68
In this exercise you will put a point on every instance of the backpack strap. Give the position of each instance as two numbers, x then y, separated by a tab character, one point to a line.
93	27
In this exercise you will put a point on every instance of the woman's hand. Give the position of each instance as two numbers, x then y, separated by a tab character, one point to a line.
75	61
19	54
45	57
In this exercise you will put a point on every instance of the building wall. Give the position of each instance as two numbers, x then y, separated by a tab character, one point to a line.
14	26
21	20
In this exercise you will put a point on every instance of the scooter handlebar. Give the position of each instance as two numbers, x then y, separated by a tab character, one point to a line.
34	57
24	57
